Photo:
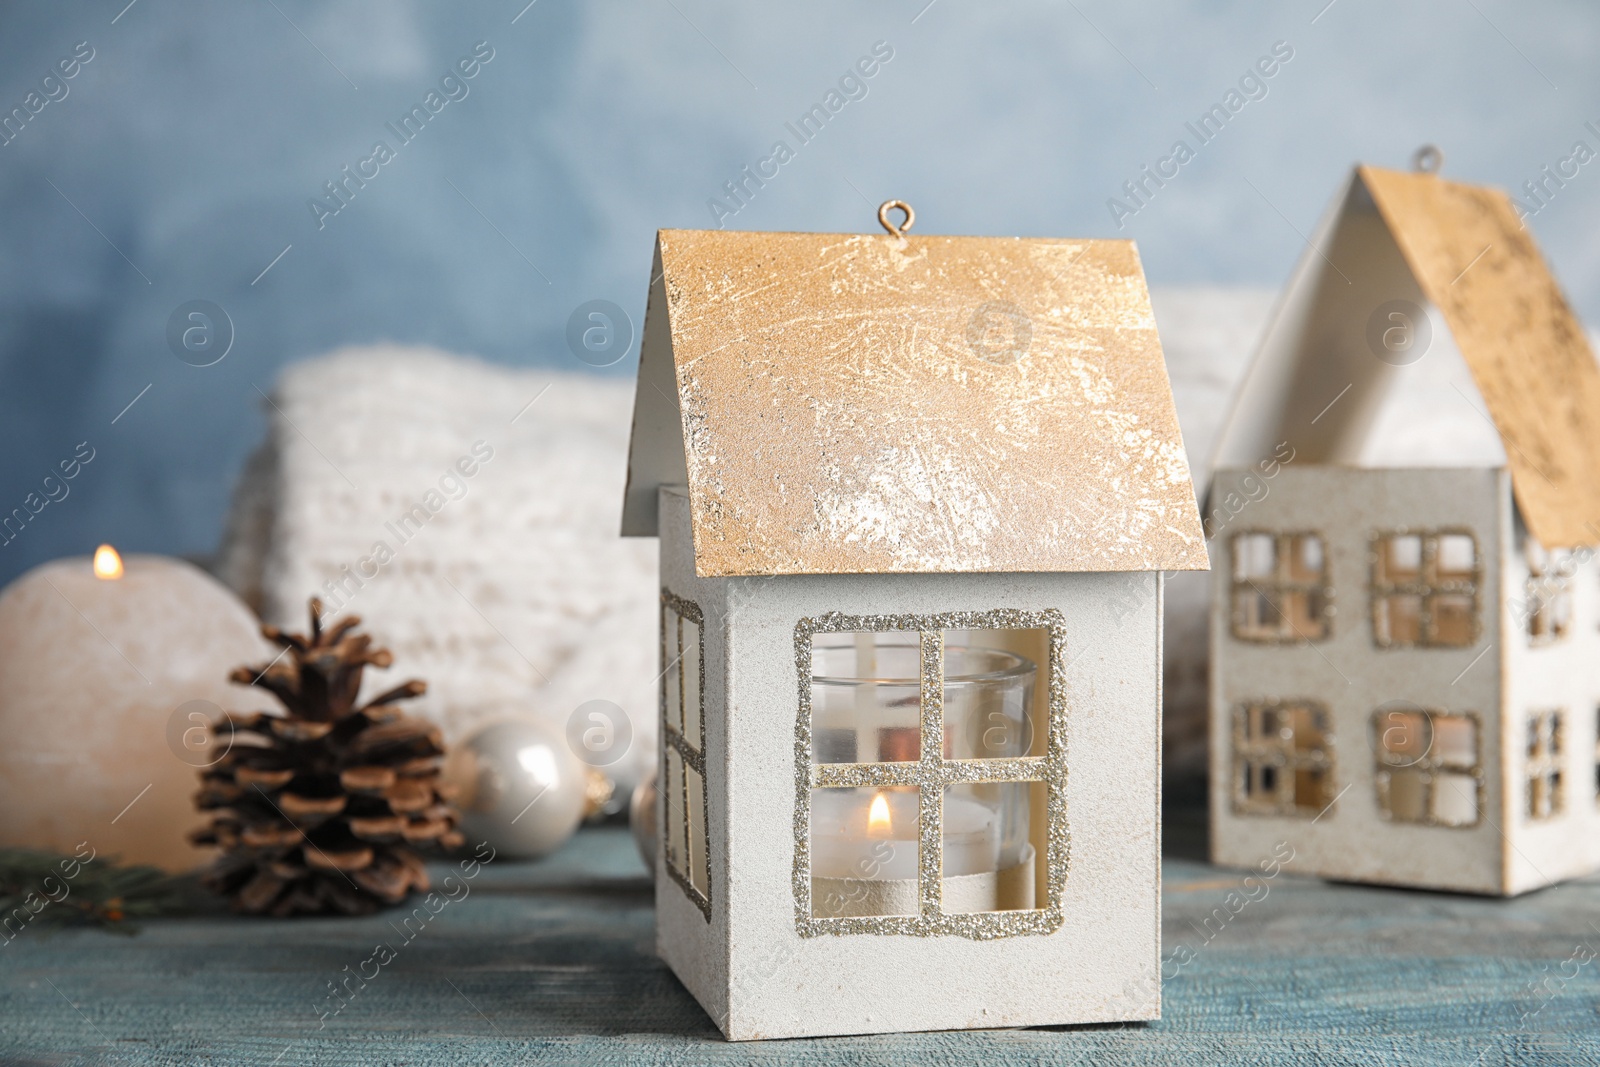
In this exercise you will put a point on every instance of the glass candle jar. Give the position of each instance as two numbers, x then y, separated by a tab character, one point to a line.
866	693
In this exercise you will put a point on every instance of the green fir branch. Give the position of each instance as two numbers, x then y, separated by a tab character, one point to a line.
55	889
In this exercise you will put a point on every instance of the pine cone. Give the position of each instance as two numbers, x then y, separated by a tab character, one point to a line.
315	809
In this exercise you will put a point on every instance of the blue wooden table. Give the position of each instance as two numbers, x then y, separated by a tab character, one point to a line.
552	963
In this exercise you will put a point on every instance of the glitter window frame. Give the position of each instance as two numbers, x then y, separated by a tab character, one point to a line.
1548	600
1545	789
1430	765
932	773
1597	756
692	754
1287	760
1277	587
1426	586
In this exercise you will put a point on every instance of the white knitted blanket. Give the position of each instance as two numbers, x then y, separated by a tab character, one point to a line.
507	588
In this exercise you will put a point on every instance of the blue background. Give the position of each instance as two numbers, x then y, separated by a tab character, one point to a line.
184	156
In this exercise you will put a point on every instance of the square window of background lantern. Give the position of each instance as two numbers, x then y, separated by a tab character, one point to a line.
1455	558
1452	618
1399	559
1397	619
1428	768
931	766
1282	758
1280	587
1546	744
685	845
1425	589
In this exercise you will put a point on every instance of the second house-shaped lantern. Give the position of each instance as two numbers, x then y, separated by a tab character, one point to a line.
914	496
1406	507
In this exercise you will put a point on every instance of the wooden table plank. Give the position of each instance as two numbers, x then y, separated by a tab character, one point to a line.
552	963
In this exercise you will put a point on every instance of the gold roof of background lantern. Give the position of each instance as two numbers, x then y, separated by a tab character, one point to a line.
1528	355
849	403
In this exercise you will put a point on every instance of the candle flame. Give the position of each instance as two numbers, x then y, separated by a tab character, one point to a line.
878	823
107	564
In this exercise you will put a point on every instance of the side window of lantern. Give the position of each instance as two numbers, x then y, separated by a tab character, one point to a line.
1597	755
683	745
1429	769
1426	589
1546	796
936	747
1548	601
1282	758
1281	592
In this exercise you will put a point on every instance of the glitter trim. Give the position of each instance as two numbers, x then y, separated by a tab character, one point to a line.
1426	586
1545	794
1276	586
672	736
1288	756
1429	766
932	773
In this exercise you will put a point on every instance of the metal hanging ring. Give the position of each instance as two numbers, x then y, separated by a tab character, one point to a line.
1427	159
883	217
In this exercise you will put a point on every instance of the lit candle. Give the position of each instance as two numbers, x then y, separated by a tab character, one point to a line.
110	669
878	822
859	833
881	842
107	564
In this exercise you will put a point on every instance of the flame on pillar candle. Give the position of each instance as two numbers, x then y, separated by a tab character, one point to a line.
878	824
107	564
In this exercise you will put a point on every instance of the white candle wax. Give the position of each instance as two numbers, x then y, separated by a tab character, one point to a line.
96	670
971	837
847	842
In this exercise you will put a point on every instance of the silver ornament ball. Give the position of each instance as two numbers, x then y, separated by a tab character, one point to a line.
519	787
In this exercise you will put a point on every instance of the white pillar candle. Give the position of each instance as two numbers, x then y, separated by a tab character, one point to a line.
94	670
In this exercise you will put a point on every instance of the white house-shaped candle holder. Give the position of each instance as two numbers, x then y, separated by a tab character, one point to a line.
914	496
1406	619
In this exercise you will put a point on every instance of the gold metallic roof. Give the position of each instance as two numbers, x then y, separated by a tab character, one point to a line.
1528	355
871	404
